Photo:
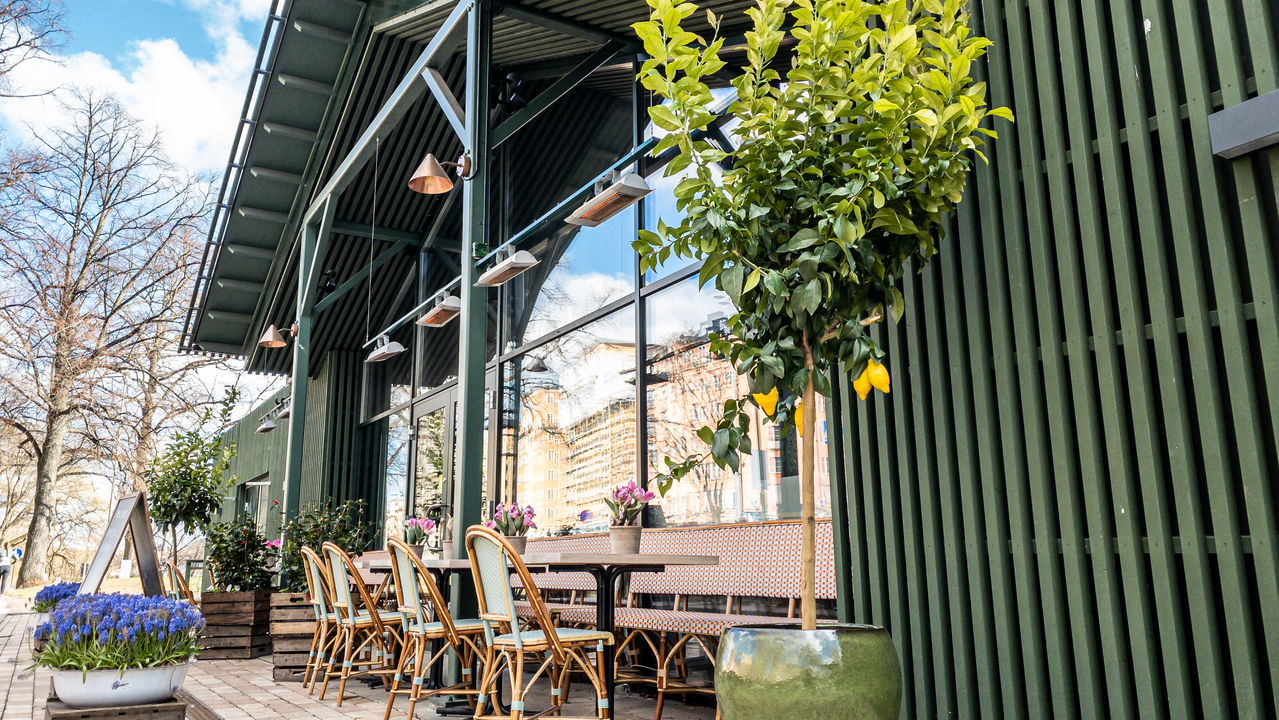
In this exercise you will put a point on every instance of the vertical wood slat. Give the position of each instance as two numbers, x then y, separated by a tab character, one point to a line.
1075	502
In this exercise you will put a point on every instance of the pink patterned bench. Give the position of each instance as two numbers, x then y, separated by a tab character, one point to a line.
757	560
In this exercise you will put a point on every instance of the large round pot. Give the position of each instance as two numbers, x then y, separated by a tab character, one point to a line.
110	688
836	671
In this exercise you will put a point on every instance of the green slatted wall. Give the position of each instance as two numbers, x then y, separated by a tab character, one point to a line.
1067	507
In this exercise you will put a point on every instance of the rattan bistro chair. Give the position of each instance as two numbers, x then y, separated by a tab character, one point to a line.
492	561
178	588
319	590
367	637
420	600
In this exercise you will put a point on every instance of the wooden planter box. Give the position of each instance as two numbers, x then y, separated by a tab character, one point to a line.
175	709
236	625
292	626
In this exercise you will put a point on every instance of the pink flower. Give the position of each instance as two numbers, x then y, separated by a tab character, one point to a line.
273	544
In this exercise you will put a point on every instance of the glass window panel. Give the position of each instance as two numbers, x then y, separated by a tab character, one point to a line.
434	459
397	471
581	269
569	423
687	388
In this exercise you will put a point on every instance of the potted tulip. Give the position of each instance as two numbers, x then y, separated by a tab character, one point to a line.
113	650
415	531
627	503
514	522
855	125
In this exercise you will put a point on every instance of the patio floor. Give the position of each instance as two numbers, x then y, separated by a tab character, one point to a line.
244	690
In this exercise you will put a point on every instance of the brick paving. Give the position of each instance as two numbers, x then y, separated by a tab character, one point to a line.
244	690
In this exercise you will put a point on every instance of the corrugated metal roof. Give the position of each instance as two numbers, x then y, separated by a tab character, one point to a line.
552	156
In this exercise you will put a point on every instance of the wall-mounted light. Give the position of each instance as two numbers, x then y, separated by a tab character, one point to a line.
508	268
385	350
267	425
430	177
610	200
284	408
272	337
442	312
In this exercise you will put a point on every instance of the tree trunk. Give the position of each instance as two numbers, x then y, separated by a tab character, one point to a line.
808	581
40	532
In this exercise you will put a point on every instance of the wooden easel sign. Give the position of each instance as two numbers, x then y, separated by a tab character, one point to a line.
131	512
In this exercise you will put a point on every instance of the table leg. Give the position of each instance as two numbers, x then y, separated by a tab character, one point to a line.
606	579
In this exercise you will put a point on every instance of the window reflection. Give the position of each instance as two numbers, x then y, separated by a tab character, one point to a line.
687	388
397	469
434	460
581	269
569	423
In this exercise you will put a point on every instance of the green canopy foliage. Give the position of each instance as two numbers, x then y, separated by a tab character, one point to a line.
856	126
187	483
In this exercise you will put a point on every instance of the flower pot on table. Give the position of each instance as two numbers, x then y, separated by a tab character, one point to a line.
625	538
519	542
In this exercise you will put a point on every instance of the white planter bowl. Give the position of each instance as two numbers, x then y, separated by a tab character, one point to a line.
108	688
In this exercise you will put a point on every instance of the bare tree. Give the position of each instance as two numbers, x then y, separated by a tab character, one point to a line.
29	29
85	247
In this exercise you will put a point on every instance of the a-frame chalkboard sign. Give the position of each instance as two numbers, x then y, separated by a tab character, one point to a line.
130	512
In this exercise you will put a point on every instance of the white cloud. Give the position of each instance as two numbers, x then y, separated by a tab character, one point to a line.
194	103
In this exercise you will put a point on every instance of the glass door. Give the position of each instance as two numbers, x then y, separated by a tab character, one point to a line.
433	465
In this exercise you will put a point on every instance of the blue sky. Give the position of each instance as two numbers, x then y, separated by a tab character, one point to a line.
181	66
108	27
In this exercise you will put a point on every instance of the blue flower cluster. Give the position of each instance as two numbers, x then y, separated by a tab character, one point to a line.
121	631
50	595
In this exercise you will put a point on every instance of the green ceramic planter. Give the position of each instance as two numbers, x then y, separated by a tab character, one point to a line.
844	672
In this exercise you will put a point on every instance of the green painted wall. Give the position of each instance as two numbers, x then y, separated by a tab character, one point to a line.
1066	508
330	467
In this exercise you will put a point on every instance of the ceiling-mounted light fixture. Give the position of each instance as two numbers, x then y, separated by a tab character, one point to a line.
284	408
267	425
538	365
430	177
506	269
385	350
610	200
445	310
274	338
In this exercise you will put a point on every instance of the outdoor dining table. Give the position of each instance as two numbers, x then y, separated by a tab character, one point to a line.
606	568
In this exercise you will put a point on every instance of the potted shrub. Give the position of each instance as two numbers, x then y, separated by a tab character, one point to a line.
514	522
113	650
846	154
237	607
626	504
292	618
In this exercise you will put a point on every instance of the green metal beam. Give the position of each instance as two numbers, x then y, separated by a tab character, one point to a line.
312	234
550	95
563	25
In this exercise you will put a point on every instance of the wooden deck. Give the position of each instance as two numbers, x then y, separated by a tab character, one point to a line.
244	690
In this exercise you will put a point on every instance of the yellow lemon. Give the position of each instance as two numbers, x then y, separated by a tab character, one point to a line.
874	376
767	401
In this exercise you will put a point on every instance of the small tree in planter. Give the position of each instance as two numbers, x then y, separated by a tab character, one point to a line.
187	483
241	562
838	180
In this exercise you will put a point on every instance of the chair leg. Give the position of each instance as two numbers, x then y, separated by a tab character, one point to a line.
333	656
313	656
348	659
419	671
601	690
486	680
517	686
395	687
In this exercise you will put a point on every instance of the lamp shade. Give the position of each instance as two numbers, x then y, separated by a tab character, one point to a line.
271	338
267	425
430	177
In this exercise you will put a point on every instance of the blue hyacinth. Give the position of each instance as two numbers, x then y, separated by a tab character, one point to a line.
117	631
50	595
